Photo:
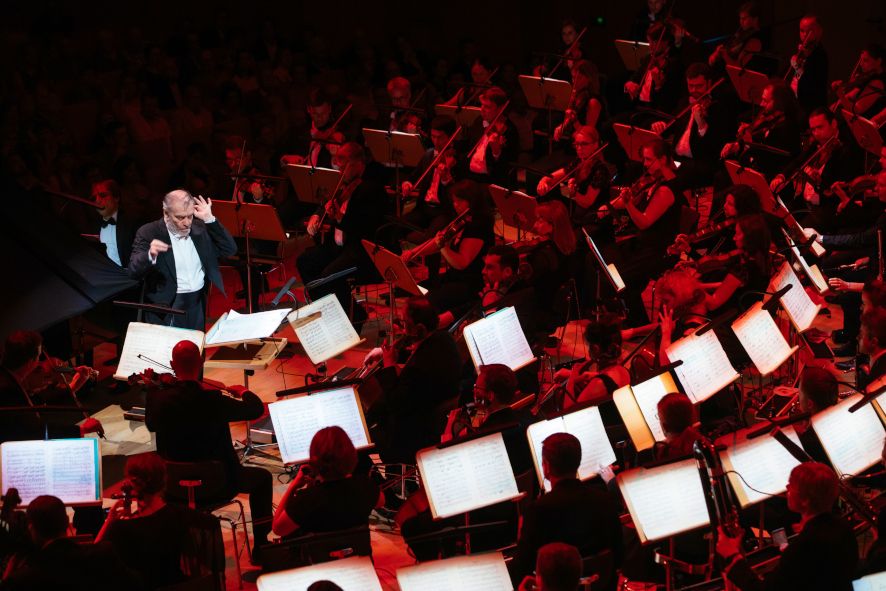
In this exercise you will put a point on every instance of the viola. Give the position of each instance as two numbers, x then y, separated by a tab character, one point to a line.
149	377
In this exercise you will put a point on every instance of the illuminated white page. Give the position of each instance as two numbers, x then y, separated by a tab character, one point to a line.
796	302
69	469
762	339
154	342
478	572
852	440
328	335
351	574
763	463
706	369
498	338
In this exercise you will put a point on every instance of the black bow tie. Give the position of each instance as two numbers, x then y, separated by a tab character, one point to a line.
109	221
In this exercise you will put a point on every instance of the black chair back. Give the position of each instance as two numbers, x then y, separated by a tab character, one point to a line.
316	548
214	486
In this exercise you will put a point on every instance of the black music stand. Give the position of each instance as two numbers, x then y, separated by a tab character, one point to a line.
748	84
397	149
312	184
517	209
547	94
632	53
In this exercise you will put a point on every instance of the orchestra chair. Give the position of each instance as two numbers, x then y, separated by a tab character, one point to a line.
204	486
598	572
315	548
203	561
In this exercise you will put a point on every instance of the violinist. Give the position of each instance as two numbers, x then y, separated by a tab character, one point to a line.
247	188
481	73
865	92
399	91
325	137
462	249
656	83
740	200
494	140
548	262
741	46
595	380
807	74
591	179
191	420
352	213
652	13
701	128
776	125
584	103
826	161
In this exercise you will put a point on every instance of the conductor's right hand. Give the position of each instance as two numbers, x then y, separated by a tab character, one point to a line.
313	225
157	246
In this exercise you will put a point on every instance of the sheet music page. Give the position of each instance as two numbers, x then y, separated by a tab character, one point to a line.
616	277
762	462
633	418
596	451
762	339
477	572
818	279
467	476
874	582
153	341
853	441
499	338
706	369
796	302
296	420
238	327
351	574
664	500
330	335
812	271
66	468
648	394
536	433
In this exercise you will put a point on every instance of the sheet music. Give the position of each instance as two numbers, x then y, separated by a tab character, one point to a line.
477	572
330	335
874	582
587	426
467	476
853	441
664	500
648	394
69	469
762	339
706	369
351	574
762	462
498	338
813	273
153	341
296	420
796	302
616	277
236	327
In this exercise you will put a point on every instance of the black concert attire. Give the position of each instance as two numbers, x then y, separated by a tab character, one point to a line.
700	154
433	207
665	97
482	165
459	288
258	248
211	241
191	424
598	177
811	86
573	513
783	134
546	271
823	557
342	246
417	400
332	505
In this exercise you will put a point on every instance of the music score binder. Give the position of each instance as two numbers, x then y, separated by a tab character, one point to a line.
296	420
665	500
587	426
498	338
233	328
465	476
762	463
762	339
477	572
796	302
638	407
70	469
853	441
151	341
706	369
356	573
323	329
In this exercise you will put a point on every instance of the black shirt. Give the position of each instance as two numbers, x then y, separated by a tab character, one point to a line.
333	505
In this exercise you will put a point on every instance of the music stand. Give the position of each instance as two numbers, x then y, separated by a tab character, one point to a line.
250	221
546	94
741	175
312	184
865	132
395	273
517	209
633	138
632	53
609	269
748	84
463	115
397	149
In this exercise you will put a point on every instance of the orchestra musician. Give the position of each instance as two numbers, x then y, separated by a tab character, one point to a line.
865	92
807	74
676	414
584	103
548	262
740	47
400	95
595	380
481	73
657	82
191	420
494	140
325	137
352	214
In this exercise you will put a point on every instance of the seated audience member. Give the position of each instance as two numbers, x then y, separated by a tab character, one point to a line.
824	555
677	416
152	539
60	563
557	568
572	512
325	495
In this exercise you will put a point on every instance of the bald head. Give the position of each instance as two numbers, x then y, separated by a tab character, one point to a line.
186	360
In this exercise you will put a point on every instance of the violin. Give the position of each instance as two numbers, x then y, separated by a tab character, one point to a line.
761	124
149	377
682	245
53	366
718	262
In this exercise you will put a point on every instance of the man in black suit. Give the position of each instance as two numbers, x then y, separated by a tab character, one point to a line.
175	255
115	227
191	420
809	66
492	149
824	554
572	512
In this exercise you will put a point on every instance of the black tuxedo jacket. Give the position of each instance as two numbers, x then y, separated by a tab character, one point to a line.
212	241
126	227
498	169
364	214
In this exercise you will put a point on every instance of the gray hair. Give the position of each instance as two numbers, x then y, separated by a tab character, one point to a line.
177	195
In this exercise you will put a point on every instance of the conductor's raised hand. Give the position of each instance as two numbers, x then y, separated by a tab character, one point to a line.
203	209
156	247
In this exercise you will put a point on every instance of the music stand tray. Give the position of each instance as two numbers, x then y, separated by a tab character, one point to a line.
632	52
749	84
865	132
261	221
632	139
517	209
312	184
464	115
392	269
394	147
252	356
546	93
